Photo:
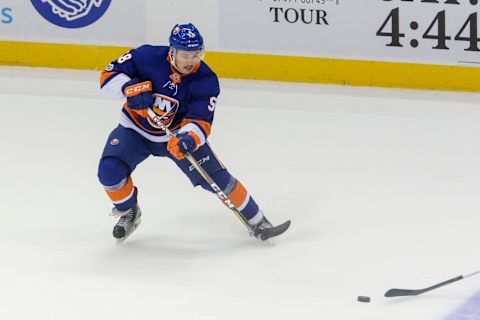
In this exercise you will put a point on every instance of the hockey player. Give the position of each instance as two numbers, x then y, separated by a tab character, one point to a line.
182	91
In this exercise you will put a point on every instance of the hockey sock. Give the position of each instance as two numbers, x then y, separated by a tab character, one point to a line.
123	194
113	174
238	194
244	202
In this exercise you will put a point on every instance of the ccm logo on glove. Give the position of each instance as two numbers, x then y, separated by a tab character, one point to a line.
137	88
139	94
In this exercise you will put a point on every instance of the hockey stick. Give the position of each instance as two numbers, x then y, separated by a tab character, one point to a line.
220	194
412	292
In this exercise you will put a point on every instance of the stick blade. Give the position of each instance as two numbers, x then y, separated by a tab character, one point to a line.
410	292
401	293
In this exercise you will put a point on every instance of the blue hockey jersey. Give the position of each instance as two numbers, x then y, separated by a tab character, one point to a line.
184	102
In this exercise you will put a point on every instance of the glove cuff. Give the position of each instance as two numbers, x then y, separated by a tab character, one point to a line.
196	139
130	82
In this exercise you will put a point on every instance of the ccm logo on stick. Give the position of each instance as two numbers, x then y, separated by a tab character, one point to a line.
200	162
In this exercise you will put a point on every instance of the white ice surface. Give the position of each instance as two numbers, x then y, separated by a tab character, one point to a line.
382	187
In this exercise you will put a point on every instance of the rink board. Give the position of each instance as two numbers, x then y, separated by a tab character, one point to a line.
260	66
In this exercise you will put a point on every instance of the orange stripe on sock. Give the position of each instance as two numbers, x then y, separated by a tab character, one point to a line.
123	192
238	195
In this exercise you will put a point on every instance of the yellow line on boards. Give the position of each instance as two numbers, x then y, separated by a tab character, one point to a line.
340	71
259	66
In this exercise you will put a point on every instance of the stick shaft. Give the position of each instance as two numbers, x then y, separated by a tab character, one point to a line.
220	194
415	292
471	274
444	283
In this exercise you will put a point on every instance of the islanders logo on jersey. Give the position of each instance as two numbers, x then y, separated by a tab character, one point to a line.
71	13
166	108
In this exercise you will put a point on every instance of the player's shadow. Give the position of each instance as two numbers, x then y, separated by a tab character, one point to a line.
184	244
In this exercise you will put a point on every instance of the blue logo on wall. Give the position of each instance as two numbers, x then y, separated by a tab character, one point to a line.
71	13
6	16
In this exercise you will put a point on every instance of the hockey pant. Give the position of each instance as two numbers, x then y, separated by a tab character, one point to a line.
125	149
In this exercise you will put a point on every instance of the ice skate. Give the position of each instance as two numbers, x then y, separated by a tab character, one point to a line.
128	222
260	227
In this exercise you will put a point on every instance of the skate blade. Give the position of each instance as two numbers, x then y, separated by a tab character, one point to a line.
135	226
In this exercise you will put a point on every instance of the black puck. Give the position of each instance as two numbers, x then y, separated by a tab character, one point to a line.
363	299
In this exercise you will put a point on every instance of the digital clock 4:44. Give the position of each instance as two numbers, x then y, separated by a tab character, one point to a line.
436	31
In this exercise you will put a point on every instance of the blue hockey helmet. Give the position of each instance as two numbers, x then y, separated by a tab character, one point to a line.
186	37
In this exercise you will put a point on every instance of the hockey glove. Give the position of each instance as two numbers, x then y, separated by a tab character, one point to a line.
139	94
183	142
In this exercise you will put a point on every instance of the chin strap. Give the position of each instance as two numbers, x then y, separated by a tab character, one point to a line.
171	58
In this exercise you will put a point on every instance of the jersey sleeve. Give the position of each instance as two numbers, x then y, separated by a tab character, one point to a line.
201	108
117	73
